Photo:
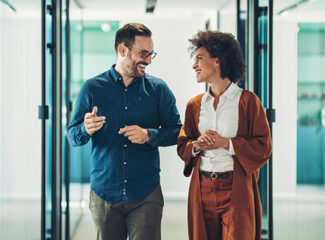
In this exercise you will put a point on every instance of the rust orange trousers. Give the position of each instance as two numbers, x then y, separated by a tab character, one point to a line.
216	195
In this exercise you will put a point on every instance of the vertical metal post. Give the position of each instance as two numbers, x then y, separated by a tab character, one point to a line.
68	105
43	153
271	116
56	120
252	31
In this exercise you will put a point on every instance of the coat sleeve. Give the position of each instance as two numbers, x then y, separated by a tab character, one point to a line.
253	150
184	141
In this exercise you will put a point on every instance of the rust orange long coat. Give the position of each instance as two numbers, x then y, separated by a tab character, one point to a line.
252	146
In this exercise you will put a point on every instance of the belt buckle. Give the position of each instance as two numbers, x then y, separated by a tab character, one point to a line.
214	176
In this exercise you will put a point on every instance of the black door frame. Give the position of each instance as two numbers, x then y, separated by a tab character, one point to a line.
54	46
253	82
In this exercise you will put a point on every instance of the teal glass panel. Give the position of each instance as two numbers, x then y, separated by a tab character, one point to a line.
64	55
311	127
75	155
311	104
48	131
262	89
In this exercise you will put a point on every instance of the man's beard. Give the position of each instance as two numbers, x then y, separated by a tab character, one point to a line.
132	68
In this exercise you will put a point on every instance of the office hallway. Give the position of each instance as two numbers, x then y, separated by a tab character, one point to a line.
302	218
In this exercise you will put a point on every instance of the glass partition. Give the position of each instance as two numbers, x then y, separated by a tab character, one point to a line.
20	128
310	197
75	168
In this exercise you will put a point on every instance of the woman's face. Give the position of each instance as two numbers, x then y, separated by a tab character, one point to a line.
205	66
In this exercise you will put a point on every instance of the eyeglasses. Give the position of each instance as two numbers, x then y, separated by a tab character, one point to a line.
144	53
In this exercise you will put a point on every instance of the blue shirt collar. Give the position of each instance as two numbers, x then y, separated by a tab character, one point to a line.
114	75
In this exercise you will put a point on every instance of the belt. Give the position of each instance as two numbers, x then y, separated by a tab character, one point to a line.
214	175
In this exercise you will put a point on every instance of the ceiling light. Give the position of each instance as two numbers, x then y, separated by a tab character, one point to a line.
78	27
105	27
285	13
150	6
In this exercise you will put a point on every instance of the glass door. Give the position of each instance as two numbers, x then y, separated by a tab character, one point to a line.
20	129
310	198
259	80
51	115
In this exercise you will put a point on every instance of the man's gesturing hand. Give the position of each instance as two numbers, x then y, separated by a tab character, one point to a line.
135	134
92	122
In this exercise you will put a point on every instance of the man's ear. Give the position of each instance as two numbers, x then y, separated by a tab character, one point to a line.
122	50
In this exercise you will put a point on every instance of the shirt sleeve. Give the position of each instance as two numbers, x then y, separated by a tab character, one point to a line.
169	119
231	150
194	154
77	134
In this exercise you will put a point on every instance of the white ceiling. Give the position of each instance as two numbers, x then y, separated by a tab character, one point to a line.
120	9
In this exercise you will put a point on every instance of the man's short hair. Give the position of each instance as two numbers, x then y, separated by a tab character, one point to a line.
226	48
127	33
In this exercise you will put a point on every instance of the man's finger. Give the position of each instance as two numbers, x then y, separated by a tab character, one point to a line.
88	115
97	128
136	140
123	130
94	112
127	128
95	124
130	133
95	119
134	136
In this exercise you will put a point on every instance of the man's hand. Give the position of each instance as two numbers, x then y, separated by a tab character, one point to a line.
210	140
92	122
135	134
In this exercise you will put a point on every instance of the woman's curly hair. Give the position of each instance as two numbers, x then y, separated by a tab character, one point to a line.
226	48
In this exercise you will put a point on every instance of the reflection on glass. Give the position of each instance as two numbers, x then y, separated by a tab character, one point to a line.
262	89
310	125
75	155
20	128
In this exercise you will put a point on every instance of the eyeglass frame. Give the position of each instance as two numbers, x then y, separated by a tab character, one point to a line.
144	53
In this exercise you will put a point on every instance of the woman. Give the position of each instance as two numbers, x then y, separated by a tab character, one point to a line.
224	141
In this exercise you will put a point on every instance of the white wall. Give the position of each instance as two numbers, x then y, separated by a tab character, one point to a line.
20	139
228	20
285	103
174	66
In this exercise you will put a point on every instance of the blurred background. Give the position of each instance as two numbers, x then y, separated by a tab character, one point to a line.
49	48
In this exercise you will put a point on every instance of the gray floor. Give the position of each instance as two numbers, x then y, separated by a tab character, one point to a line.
302	218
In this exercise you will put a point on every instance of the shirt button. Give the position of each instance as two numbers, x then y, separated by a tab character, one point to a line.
126	90
126	108
124	193
125	181
125	145
124	163
120	78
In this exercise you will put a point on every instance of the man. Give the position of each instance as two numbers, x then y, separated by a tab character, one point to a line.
128	114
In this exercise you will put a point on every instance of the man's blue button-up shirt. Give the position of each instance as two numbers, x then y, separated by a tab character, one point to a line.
122	171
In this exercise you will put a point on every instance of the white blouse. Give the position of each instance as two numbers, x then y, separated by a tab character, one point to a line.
224	120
